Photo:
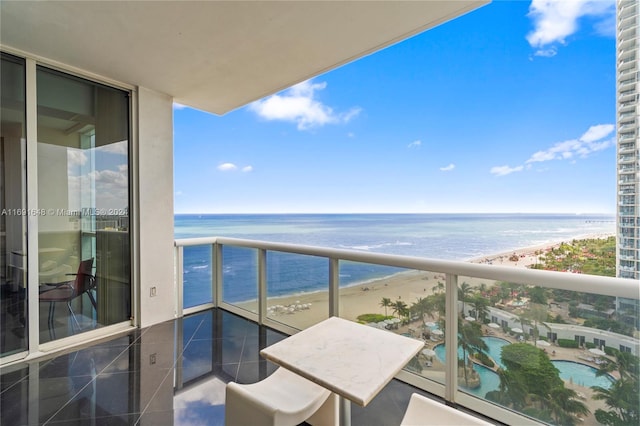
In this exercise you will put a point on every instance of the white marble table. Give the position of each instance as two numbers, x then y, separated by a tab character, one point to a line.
353	360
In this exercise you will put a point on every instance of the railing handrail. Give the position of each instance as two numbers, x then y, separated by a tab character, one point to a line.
609	286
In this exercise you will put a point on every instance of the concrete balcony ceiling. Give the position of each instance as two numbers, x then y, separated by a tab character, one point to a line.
215	55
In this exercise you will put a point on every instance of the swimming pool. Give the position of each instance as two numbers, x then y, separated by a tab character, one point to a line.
582	374
489	380
495	345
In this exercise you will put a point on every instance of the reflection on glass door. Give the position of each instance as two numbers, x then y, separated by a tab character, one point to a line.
83	192
13	248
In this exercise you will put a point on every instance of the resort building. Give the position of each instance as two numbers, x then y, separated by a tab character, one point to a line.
628	117
93	321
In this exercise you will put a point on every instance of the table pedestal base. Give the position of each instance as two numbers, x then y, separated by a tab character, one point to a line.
345	412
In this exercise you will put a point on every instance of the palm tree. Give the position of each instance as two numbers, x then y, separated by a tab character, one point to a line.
482	288
480	306
463	293
438	288
536	314
420	306
399	308
385	303
470	340
438	303
564	405
622	397
524	321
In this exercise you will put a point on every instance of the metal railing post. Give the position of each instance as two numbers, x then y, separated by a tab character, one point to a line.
451	337
334	287
262	285
216	274
179	281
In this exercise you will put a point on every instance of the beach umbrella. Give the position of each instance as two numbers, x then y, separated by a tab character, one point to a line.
493	325
437	332
428	352
517	330
597	351
395	320
542	343
469	318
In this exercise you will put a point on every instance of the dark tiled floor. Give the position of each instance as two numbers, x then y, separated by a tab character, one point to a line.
168	374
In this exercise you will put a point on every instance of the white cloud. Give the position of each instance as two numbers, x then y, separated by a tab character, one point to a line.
119	148
299	105
555	20
448	168
505	170
415	144
178	106
76	157
226	167
230	167
591	141
597	132
547	53
112	179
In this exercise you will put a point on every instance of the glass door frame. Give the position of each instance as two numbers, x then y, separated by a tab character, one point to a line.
34	346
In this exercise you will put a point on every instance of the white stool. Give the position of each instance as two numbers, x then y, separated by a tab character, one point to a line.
423	411
282	399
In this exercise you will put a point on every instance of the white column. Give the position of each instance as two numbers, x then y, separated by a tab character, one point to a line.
153	203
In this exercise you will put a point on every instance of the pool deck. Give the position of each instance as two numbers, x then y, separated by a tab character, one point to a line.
435	370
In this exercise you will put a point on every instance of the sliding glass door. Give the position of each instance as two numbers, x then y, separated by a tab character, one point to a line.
83	192
71	223
13	245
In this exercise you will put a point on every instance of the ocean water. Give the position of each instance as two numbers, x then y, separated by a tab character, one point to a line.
438	236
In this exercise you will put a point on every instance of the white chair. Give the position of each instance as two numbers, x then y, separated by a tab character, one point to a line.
282	399
423	411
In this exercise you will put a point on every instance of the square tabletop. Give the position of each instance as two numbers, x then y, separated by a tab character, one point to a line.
353	360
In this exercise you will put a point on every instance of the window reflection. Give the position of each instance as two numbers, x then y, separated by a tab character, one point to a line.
13	250
83	197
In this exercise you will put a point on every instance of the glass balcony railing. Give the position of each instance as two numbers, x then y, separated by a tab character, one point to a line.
519	345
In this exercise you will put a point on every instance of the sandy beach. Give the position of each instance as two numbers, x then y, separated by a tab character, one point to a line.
303	310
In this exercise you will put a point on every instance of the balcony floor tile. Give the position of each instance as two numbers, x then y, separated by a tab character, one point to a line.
172	373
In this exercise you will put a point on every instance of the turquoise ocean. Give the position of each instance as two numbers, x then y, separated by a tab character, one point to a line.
437	236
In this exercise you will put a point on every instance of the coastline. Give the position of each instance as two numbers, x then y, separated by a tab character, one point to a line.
305	309
365	297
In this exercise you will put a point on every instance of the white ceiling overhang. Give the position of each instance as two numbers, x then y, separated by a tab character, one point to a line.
215	55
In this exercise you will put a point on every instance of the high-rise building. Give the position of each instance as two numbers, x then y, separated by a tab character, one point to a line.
628	112
628	155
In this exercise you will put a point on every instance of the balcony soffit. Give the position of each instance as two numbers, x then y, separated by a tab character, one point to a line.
215	55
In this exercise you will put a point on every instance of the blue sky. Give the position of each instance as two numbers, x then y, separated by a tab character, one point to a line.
510	108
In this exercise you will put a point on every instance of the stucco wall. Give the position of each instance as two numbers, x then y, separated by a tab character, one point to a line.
155	206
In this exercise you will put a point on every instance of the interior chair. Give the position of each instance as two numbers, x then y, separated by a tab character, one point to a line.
423	411
83	283
282	399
